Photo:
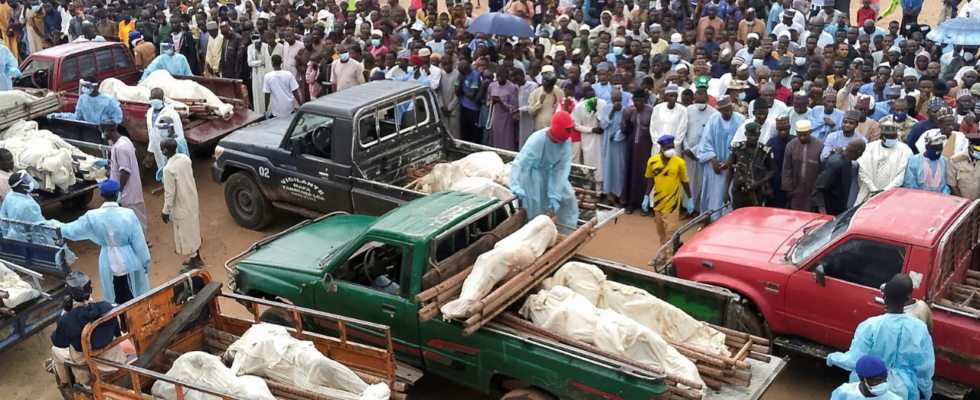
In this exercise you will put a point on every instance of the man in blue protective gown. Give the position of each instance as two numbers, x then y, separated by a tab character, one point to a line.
901	340
167	128
20	206
93	106
124	261
713	152
539	177
8	68
873	382
169	60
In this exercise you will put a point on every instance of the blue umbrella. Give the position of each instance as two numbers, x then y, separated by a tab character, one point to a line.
957	31
501	24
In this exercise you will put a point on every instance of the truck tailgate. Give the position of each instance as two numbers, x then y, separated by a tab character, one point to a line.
763	375
203	131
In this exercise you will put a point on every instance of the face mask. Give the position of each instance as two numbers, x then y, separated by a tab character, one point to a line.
801	61
376	42
344	57
256	41
670	153
975	154
757	63
36	8
933	154
157	104
104	136
889	142
411	70
169	52
741	96
878	390
31	186
968	56
85	90
750	23
674	58
618	51
900	116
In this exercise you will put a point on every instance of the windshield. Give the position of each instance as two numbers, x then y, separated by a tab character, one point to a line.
308	122
812	242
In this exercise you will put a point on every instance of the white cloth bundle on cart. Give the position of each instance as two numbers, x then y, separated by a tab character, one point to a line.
187	89
19	291
203	369
47	157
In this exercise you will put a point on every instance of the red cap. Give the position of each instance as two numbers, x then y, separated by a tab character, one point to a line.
416	60
560	123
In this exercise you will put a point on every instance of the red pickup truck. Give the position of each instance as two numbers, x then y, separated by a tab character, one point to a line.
59	69
807	280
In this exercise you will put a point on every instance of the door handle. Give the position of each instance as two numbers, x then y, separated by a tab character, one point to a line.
325	174
388	307
708	264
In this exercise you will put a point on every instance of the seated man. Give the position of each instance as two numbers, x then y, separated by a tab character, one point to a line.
80	310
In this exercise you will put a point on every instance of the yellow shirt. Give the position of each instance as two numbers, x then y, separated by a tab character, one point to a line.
667	182
124	28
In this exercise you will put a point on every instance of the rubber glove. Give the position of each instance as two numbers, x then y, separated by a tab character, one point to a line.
519	192
266	115
646	203
555	206
50	116
690	205
100	163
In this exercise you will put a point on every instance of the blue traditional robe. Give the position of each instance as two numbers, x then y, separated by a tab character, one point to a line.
614	149
820	128
715	144
925	174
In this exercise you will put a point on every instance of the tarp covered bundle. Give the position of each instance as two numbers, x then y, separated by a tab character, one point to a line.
270	351
48	157
139	94
174	88
203	369
482	173
20	291
508	257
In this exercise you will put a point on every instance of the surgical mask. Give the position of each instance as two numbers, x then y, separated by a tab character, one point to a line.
890	142
750	23
36	8
933	154
256	41
757	63
85	90
801	61
741	96
376	42
617	50
877	390
968	56
975	154
411	70
900	116
157	104
104	136
670	153
344	57
169	52
674	58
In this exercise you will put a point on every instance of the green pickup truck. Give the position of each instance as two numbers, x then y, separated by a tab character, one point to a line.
371	268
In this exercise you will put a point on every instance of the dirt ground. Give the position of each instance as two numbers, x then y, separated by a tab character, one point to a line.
632	240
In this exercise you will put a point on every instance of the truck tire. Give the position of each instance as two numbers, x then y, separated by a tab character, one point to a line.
78	202
246	203
745	317
529	393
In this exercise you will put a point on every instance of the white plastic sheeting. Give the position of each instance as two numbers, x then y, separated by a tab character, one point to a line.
203	369
441	178
46	156
20	291
269	351
14	98
486	164
563	311
187	89
639	305
482	186
139	94
504	177
508	257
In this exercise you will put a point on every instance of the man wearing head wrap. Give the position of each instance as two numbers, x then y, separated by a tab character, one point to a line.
872	382
900	340
838	140
539	177
636	128
606	25
956	141
666	174
826	118
124	261
614	145
698	114
713	153
882	167
931	122
801	165
927	170
669	118
752	169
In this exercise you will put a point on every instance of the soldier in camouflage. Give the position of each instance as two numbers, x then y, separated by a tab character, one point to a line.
753	167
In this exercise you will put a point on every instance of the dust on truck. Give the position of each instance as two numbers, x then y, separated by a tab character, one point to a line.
333	263
808	279
356	151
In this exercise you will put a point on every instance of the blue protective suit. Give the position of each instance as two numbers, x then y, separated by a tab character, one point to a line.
20	207
10	70
175	64
94	109
541	172
118	231
933	180
181	149
850	391
905	345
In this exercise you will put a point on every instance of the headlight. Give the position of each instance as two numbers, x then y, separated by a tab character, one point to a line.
217	151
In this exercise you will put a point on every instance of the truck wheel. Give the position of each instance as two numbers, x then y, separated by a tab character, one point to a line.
246	203
744	317
527	394
78	202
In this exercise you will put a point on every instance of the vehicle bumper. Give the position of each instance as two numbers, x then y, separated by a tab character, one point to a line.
216	172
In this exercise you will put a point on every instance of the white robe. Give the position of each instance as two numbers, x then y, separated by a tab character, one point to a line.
881	168
767	132
261	64
665	121
180	201
696	120
153	134
778	109
591	142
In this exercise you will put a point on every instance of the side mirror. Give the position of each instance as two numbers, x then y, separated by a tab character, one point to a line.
820	276
295	146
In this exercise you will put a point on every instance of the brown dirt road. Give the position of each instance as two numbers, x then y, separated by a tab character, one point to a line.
633	241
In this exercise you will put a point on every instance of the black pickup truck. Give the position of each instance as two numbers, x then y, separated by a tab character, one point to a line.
348	151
